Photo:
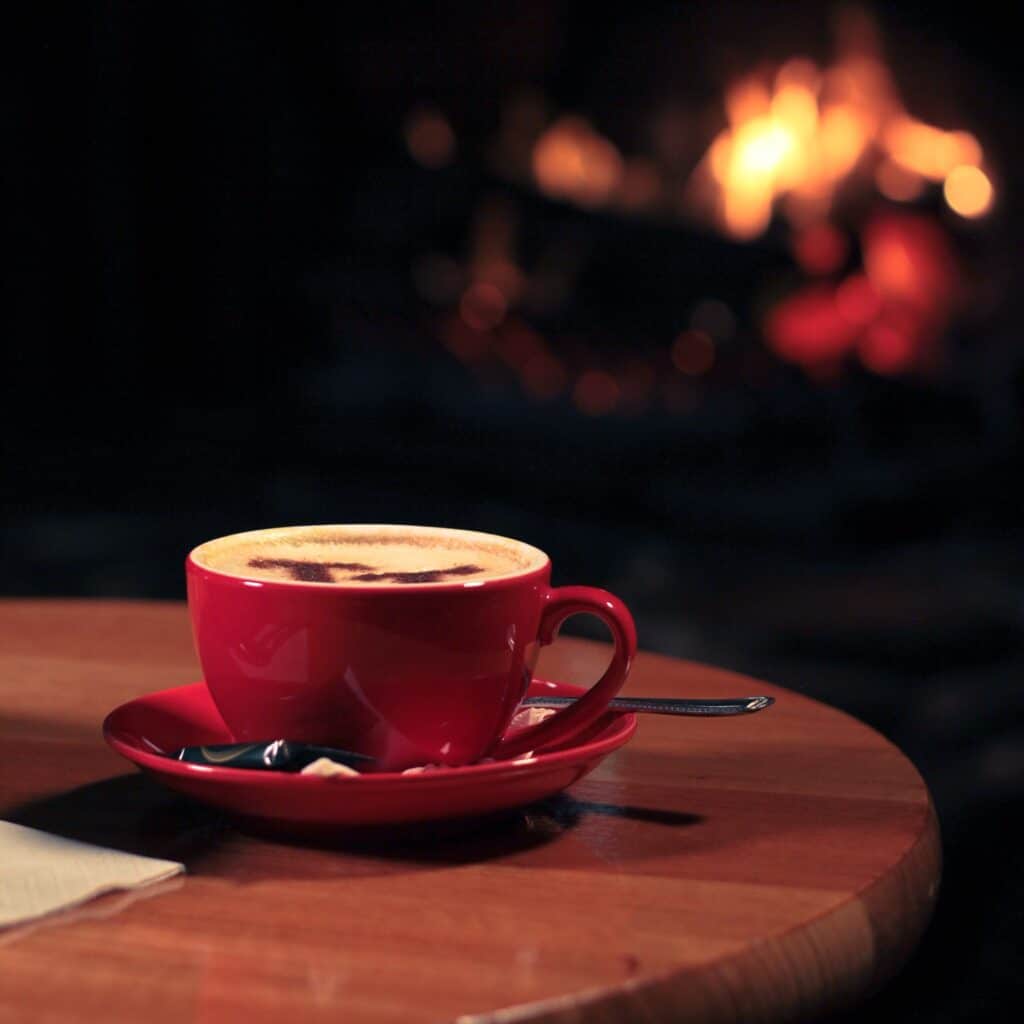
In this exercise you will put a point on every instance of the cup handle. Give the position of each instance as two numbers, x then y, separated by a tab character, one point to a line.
560	604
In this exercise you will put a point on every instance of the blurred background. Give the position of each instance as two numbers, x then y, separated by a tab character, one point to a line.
718	303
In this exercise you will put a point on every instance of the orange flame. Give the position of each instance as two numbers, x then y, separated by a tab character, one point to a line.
800	136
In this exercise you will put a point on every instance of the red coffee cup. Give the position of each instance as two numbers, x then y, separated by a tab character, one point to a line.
408	672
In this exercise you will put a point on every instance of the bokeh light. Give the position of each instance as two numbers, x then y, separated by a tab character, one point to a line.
968	191
572	161
596	393
482	306
693	353
429	138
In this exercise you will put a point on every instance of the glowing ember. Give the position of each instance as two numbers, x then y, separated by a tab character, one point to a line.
910	259
571	161
482	306
820	248
857	301
808	329
693	353
430	138
890	316
886	350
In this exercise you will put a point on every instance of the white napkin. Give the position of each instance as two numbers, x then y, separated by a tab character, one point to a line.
41	873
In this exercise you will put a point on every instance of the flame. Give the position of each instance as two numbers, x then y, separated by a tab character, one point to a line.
928	151
746	100
810	142
801	135
898	183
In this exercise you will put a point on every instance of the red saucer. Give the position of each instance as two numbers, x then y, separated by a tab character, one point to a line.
186	716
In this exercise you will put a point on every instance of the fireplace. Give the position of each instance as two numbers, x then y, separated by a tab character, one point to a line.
787	266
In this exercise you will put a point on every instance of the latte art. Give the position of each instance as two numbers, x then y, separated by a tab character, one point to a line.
424	576
310	572
322	572
367	555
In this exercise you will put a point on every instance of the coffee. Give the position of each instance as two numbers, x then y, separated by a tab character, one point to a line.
368	555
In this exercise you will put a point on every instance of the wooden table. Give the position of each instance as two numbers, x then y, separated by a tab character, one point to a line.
731	870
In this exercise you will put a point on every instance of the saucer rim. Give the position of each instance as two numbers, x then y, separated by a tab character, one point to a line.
616	733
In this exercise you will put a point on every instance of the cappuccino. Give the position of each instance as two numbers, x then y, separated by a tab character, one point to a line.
382	556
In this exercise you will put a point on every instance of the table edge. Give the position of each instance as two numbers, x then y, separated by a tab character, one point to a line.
720	992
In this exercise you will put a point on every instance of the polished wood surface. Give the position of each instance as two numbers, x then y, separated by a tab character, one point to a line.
757	868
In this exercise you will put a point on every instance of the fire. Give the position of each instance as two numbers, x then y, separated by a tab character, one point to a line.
890	315
797	138
572	161
803	140
807	144
968	191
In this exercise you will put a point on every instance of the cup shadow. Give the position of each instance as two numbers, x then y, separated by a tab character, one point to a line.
130	813
565	806
467	840
134	814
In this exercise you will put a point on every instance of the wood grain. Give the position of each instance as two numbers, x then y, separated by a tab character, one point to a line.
760	868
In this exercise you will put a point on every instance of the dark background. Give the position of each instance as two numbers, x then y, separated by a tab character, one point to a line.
211	324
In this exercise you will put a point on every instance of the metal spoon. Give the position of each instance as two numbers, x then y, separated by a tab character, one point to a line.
666	705
282	755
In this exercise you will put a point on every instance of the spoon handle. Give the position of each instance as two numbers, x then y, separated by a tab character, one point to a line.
667	706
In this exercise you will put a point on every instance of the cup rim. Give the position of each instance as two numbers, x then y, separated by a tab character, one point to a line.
541	563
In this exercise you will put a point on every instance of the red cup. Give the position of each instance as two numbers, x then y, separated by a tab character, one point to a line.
421	673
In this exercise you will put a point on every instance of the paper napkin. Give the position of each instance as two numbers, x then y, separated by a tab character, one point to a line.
41	873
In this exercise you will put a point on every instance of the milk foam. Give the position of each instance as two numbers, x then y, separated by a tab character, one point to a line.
368	555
